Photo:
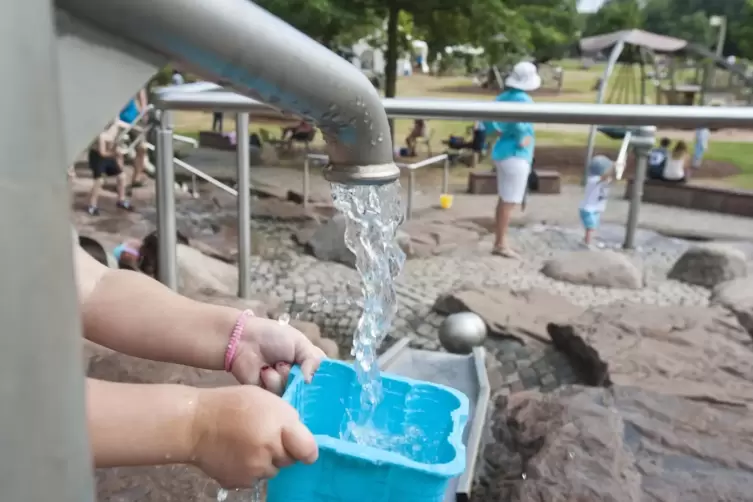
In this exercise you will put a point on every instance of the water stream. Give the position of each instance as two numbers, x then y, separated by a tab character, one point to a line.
373	214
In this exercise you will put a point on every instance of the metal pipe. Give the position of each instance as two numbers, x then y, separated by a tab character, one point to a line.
260	55
43	432
411	188
446	175
306	182
165	191
200	174
571	113
244	204
546	113
642	141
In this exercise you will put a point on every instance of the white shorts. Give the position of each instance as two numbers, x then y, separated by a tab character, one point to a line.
512	179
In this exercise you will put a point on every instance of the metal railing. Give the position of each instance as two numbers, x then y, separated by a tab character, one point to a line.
641	141
461	109
195	172
166	221
411	168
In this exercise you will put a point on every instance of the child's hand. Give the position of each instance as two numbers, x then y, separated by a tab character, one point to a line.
245	433
267	350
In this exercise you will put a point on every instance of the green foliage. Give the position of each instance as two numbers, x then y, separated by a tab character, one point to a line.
614	15
330	22
686	19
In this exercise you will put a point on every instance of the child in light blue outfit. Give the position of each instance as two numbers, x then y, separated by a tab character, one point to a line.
702	135
597	191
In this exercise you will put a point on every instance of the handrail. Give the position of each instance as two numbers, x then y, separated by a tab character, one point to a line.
411	168
199	173
454	109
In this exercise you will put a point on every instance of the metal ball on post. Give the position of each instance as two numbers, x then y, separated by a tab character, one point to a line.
642	141
459	333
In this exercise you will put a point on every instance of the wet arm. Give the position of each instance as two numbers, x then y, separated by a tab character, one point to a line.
159	420
131	313
143	102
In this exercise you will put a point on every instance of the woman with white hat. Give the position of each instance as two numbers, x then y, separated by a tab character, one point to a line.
512	154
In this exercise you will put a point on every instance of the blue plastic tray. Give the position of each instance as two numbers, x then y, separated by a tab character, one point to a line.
418	468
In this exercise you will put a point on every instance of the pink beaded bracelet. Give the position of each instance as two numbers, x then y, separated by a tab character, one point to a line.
235	338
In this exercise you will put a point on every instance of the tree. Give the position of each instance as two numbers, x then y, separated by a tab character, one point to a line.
614	15
330	22
553	26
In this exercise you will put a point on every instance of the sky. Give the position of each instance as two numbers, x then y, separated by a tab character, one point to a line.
589	5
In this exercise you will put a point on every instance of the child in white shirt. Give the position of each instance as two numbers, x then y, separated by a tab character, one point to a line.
597	191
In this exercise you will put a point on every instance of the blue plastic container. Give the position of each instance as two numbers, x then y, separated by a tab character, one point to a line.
422	424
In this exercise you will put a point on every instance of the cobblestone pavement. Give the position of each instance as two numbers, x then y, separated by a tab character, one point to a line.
324	292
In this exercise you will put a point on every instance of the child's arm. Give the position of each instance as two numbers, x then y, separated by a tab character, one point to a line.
608	175
102	145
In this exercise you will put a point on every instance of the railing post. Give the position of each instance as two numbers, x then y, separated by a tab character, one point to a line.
446	175
306	166
244	204
642	141
166	224
411	188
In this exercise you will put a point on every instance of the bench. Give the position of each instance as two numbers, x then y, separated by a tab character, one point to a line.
701	198
215	140
484	182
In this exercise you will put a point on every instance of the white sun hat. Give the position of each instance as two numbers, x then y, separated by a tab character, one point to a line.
524	76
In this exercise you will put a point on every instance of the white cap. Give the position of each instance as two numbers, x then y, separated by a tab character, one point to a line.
524	76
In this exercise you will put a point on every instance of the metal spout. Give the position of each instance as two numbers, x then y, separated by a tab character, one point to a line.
379	174
259	55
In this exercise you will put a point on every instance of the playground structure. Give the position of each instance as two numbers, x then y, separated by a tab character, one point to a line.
48	48
679	72
640	48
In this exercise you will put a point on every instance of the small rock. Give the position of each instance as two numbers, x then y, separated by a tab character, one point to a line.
733	293
607	269
737	296
709	265
329	347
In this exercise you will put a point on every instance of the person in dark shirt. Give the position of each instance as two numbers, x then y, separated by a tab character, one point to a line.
657	159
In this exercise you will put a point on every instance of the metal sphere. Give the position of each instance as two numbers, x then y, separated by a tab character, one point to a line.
462	331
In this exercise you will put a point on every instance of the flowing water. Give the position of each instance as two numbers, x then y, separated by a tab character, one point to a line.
372	214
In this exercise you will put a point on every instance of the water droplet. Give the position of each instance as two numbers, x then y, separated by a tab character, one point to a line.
524	476
571	454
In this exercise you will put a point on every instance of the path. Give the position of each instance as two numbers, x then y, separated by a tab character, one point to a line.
552	209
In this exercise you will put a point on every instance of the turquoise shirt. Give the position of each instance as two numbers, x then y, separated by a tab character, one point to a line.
512	133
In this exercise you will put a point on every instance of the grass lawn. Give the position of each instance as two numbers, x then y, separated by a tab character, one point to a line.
576	88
